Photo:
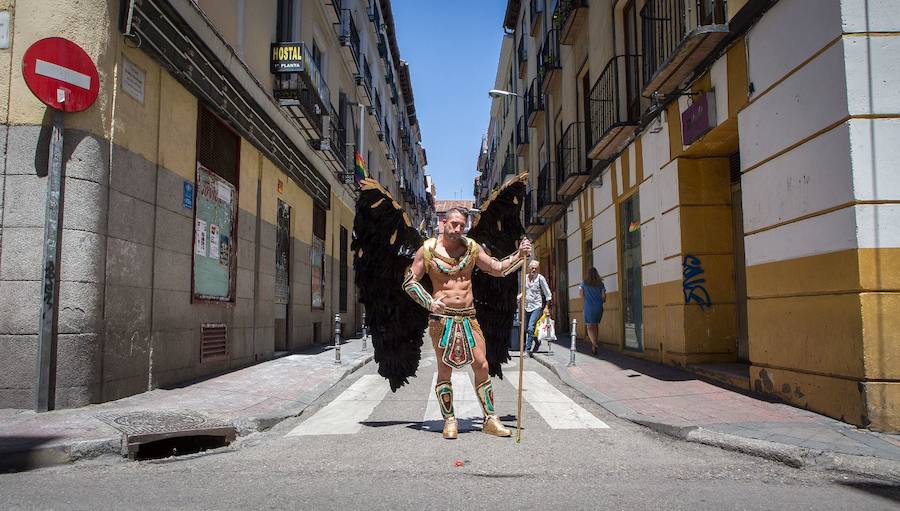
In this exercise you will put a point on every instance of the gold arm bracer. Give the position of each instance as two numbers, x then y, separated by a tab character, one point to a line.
414	289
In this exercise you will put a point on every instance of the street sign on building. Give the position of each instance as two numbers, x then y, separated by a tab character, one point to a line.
61	74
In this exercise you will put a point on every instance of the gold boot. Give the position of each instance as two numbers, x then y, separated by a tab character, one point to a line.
493	426
444	392
451	429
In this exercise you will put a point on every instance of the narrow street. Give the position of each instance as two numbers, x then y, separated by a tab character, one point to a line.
362	445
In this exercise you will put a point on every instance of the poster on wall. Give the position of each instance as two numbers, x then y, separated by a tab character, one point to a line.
200	239
317	263
216	211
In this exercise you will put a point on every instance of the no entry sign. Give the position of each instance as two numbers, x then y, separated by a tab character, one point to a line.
61	74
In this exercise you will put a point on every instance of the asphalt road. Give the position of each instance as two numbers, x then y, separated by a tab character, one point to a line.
362	447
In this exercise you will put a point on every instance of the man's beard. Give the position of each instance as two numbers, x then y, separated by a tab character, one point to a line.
453	236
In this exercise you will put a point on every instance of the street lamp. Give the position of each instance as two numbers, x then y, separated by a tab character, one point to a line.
497	93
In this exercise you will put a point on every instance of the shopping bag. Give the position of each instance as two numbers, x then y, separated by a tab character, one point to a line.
547	332
540	321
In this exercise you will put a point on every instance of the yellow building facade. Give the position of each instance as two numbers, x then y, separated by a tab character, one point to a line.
728	175
191	121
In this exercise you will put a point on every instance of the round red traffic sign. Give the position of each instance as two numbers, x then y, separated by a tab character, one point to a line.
61	74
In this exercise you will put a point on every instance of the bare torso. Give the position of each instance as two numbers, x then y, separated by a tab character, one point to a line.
453	290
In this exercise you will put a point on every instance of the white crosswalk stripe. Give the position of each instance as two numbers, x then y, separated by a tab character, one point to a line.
346	413
557	410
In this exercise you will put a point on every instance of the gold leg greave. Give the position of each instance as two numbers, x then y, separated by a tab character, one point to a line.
492	424
444	392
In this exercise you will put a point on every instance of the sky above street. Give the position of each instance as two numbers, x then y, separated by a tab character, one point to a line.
452	49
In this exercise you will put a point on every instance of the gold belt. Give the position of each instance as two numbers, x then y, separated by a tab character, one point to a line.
451	312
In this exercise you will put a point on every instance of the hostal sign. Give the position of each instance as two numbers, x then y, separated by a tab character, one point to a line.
287	57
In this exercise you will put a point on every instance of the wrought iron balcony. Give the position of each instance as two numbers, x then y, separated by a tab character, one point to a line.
550	63
536	9
570	17
349	35
522	56
509	167
534	102
548	206
304	93
615	111
404	136
522	136
572	170
677	36
534	224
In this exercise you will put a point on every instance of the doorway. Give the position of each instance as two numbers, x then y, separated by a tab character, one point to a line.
632	304
282	276
740	263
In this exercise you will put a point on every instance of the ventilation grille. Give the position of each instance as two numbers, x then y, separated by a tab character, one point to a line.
734	167
213	342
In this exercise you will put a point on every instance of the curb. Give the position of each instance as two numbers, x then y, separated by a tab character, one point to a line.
77	450
790	455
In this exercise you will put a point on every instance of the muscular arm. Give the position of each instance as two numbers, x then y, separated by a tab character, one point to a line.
411	283
499	267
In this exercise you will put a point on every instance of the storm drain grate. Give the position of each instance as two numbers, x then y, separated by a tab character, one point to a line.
213	341
173	428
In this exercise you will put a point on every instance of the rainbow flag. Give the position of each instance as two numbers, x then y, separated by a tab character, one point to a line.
359	168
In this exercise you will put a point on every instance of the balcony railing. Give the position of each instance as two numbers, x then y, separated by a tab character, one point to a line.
550	62
572	163
305	89
570	17
349	35
522	56
522	136
615	107
509	167
536	9
534	102
677	36
533	223
547	204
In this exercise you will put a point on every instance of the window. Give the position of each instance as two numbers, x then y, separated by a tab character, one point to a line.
215	210
317	259
343	270
587	256
632	80
285	22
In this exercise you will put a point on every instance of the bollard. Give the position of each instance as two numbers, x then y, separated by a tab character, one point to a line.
365	331
337	338
550	342
572	346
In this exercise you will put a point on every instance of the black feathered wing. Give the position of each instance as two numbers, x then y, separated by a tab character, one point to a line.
498	229
384	245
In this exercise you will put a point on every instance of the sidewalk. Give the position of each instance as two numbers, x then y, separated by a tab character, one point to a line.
241	402
678	403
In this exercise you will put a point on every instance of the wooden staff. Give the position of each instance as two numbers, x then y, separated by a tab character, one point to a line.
522	326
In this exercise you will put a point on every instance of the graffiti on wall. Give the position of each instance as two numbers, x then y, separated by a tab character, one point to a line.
692	282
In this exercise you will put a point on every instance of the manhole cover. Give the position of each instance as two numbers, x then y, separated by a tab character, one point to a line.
146	426
157	421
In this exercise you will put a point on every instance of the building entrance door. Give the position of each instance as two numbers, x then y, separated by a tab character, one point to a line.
740	268
632	304
282	276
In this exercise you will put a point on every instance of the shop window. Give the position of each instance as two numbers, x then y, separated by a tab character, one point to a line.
317	259
215	209
344	269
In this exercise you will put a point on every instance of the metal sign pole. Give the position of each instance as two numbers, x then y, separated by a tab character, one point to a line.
45	378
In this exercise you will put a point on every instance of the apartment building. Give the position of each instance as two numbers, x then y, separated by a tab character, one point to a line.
726	166
208	196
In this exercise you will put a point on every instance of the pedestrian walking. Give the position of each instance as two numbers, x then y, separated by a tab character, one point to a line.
593	292
537	297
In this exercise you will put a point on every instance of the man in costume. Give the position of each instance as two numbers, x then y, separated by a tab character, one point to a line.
449	261
391	260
